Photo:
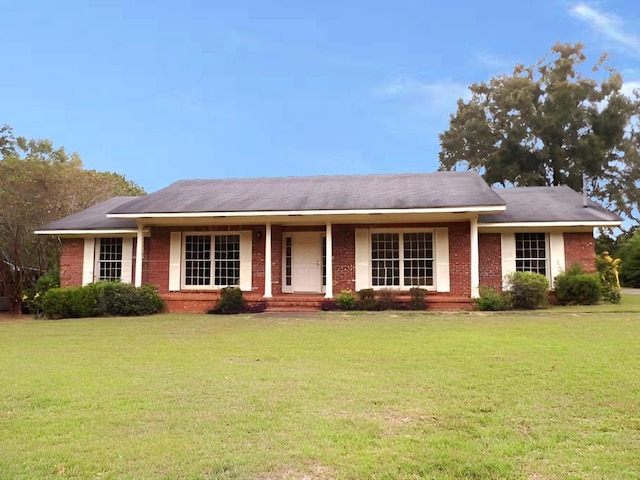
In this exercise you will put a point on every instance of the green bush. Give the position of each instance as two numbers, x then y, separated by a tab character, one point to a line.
56	302
388	299
367	299
32	297
492	300
346	300
231	302
528	290
418	299
101	299
574	287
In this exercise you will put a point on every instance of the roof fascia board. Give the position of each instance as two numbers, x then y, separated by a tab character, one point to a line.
549	224
476	209
97	231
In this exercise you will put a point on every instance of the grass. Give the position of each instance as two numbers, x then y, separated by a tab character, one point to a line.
543	395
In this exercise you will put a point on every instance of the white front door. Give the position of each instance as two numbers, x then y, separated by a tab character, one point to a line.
306	259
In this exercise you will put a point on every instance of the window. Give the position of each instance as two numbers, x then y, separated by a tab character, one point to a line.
110	259
200	260
531	253
402	259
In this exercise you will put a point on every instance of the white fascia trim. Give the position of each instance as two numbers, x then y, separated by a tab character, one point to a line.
548	224
132	231
380	211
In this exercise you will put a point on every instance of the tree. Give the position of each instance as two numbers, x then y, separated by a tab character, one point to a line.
549	125
39	184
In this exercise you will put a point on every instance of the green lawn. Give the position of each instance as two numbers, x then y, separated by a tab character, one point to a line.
553	394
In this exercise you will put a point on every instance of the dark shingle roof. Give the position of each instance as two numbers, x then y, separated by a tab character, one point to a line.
547	204
94	218
349	192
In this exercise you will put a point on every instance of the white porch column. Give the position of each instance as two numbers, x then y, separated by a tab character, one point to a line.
475	259
139	254
268	293
329	256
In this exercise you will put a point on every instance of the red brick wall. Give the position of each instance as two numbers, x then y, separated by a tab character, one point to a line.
157	259
490	252
460	258
344	258
276	259
71	261
580	248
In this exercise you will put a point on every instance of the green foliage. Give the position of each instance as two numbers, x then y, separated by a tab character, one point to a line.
630	262
231	302
492	300
574	287
56	303
33	297
548	124
346	300
528	290
101	299
367	299
40	183
418	298
388	299
607	268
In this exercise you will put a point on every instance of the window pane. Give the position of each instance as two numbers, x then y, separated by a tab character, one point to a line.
197	254
531	253
110	260
418	259
227	260
385	259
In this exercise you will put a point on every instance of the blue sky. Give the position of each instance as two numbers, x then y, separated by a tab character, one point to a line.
160	91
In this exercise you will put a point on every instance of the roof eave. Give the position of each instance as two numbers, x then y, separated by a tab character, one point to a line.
92	231
550	224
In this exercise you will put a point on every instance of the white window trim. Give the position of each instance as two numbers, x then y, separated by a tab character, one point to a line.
91	262
246	247
401	287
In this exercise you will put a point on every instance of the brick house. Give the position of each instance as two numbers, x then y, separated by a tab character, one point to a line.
297	241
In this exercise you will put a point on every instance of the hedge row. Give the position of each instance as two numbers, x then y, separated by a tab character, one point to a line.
113	299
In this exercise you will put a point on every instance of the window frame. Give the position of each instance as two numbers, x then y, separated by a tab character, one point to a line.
547	252
212	266
401	232
98	261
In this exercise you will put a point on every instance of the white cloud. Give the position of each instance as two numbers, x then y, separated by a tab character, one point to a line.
493	61
607	24
629	87
435	95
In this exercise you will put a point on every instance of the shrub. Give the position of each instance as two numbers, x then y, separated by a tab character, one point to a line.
231	302
367	299
388	299
581	289
56	302
346	300
100	299
608	270
492	300
528	290
418	298
32	297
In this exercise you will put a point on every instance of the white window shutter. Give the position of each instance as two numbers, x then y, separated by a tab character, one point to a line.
556	256
443	282
508	250
363	259
88	261
127	260
246	260
175	257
